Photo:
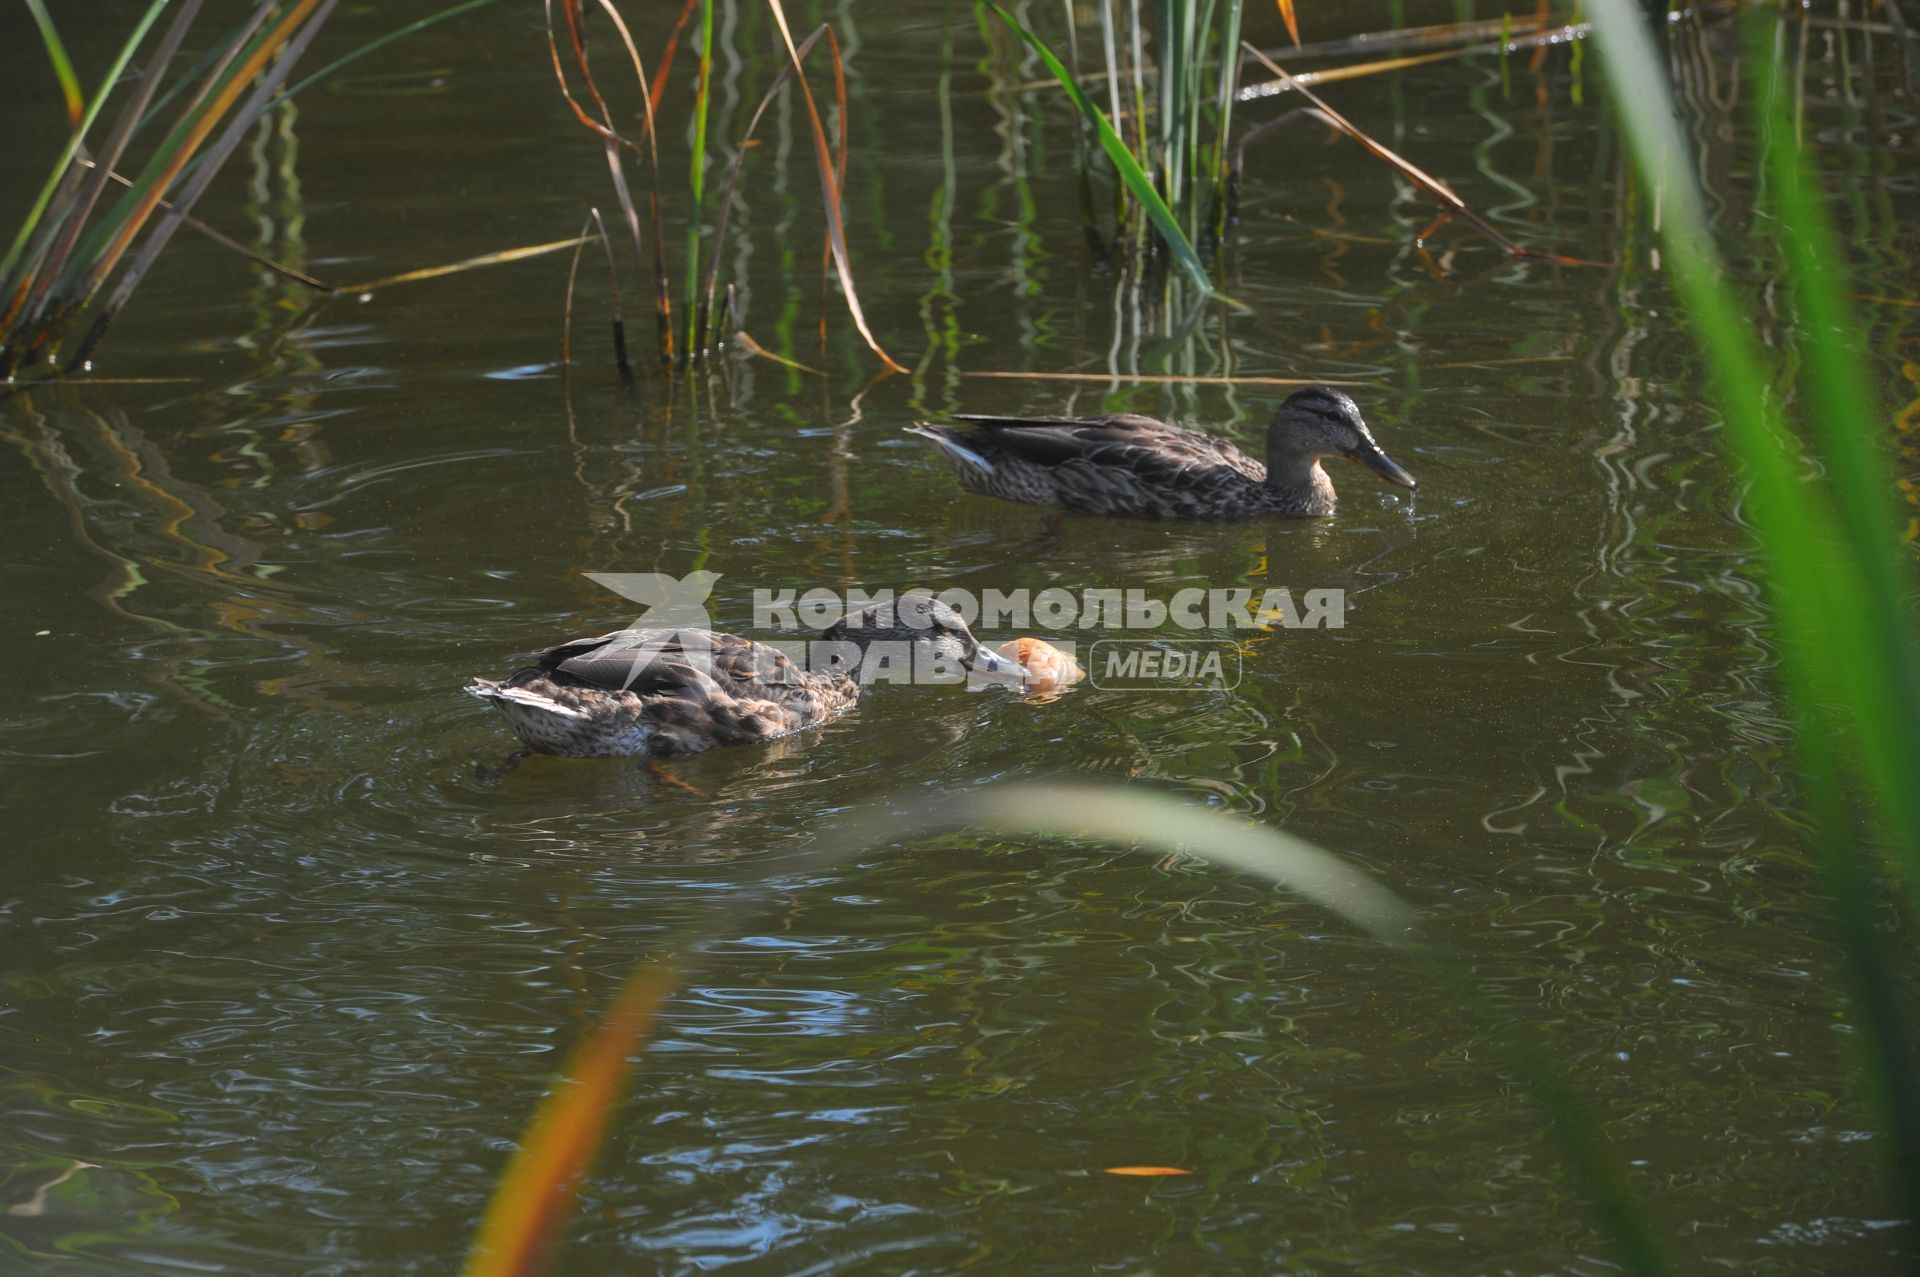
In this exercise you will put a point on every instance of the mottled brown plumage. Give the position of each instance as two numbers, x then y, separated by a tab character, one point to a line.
657	693
1126	464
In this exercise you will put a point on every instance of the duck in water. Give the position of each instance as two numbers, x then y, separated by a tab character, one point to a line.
654	693
1127	464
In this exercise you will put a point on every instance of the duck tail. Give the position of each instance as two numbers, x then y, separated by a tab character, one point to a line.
488	690
949	442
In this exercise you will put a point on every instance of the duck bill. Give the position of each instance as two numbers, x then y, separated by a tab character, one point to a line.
1381	464
989	662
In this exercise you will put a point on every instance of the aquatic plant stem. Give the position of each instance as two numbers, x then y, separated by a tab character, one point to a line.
697	181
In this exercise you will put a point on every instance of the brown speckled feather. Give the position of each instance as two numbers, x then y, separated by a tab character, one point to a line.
662	692
1155	450
1122	464
1127	464
659	692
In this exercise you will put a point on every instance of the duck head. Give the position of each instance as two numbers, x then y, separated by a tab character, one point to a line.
1317	422
932	628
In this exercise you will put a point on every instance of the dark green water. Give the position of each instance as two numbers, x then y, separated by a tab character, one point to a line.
284	975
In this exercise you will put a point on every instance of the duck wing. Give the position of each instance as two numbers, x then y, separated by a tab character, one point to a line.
1160	454
703	663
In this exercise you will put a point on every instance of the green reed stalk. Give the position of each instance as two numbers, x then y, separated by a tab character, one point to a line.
1229	83
697	179
1138	70
1109	49
1133	175
1839	583
1171	166
31	223
70	243
57	59
1170	55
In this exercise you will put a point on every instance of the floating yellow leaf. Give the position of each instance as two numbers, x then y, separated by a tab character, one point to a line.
1146	1170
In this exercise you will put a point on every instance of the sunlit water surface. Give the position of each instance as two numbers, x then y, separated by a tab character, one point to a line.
287	969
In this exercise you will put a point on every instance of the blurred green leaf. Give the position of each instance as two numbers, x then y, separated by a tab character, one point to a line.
62	66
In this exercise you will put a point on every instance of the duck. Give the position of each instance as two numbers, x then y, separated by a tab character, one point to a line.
656	693
1141	467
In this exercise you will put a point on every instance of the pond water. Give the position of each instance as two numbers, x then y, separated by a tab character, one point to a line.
287	968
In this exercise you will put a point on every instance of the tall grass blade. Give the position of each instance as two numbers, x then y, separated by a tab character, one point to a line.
566	308
1840	594
663	300
223	86
1815	564
1138	184
745	341
227	242
31	222
62	65
697	179
830	195
1849	427
616	315
614	140
1153	821
43	301
1414	37
268	66
1362	70
533	1198
843	119
62	256
498	258
653	171
1227	93
1115	75
664	69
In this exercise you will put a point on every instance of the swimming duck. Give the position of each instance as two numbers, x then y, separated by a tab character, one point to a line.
1132	465
660	692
